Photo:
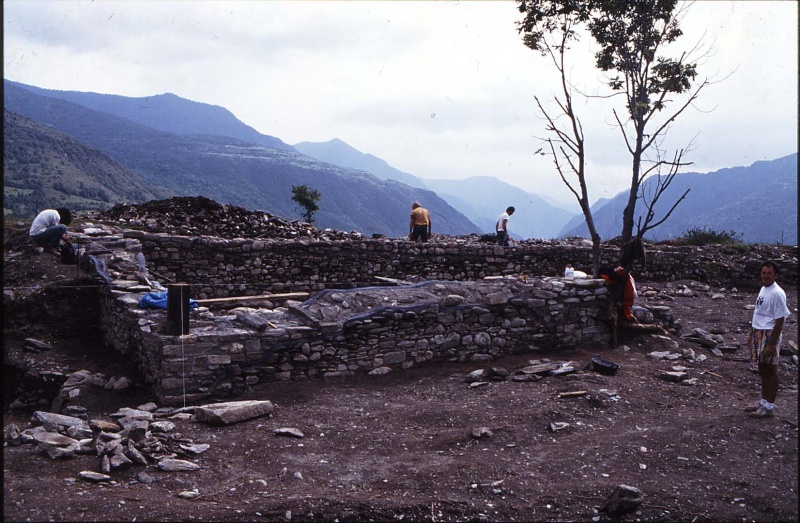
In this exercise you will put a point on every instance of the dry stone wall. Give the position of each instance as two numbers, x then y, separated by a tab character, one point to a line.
235	267
326	336
454	314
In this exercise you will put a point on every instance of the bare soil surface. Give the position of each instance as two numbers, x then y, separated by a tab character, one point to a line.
423	445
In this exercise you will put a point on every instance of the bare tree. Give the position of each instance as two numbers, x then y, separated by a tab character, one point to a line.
630	35
567	142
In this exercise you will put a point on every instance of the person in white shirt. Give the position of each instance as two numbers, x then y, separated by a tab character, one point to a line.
49	227
765	338
501	227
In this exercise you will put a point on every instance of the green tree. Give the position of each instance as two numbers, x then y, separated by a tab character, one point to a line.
307	199
630	36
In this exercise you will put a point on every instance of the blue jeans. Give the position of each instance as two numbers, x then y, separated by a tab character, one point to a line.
50	237
502	238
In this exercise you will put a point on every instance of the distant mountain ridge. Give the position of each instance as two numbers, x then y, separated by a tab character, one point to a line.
339	153
42	166
175	146
758	202
165	112
237	172
487	197
482	198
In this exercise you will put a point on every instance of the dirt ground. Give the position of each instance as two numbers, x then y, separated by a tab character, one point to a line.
402	447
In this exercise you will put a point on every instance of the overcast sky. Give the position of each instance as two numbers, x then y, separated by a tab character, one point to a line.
437	89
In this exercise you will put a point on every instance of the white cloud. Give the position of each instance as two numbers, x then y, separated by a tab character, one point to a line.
437	89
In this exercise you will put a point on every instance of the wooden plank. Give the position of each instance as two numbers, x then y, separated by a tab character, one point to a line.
572	394
285	296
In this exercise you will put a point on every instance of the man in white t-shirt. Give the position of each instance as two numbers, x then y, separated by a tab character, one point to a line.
49	227
501	227
765	338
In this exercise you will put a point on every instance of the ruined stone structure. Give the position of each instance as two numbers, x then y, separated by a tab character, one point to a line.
347	329
219	267
431	321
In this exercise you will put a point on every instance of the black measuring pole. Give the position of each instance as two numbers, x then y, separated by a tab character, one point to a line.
177	309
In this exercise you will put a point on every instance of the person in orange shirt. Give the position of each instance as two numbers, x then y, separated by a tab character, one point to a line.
629	292
419	229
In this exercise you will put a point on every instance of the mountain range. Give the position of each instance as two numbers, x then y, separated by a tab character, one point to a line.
42	165
230	170
758	203
153	147
480	198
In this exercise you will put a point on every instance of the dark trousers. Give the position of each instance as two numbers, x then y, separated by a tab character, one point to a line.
502	238
50	237
419	233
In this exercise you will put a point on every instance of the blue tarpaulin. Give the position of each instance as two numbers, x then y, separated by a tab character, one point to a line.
158	300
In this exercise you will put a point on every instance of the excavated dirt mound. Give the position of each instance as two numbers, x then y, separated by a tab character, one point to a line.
426	445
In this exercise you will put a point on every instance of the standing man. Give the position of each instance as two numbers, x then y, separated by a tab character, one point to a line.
419	230
501	227
765	338
49	227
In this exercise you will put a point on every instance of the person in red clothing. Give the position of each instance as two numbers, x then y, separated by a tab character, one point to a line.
629	292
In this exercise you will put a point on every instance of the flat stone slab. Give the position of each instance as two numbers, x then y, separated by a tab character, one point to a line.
672	375
37	345
233	412
57	446
539	368
52	439
104	426
133	414
94	477
195	448
177	465
290	432
49	418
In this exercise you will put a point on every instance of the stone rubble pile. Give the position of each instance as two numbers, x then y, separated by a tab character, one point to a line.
533	371
144	436
200	216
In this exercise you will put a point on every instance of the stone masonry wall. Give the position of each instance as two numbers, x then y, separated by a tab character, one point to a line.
471	321
475	320
221	268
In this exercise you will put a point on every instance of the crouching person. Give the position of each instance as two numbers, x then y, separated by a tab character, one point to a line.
49	228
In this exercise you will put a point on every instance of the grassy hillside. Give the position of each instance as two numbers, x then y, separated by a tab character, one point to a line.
45	168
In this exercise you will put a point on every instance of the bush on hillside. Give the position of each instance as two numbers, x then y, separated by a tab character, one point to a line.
705	236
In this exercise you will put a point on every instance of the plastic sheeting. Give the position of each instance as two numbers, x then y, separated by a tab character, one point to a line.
100	268
158	300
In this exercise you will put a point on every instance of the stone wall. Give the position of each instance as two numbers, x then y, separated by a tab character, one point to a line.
476	320
327	337
219	268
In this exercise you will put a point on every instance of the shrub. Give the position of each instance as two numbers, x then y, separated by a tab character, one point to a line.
704	236
307	199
